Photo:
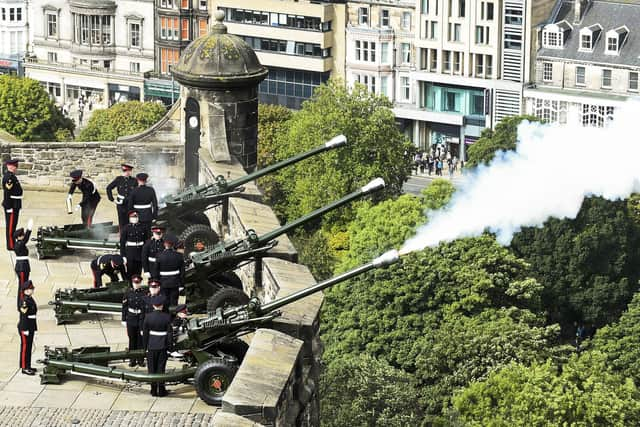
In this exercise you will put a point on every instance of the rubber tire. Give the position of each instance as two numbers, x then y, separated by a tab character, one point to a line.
204	376
235	347
196	232
199	218
226	297
228	279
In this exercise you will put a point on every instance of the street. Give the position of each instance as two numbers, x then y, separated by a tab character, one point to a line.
416	183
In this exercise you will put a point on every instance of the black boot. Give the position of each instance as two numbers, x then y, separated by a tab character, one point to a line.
133	363
154	389
28	371
162	391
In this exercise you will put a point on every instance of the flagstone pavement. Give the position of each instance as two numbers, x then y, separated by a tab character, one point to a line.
77	401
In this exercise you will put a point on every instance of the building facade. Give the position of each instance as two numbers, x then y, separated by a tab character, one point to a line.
379	46
588	63
302	43
95	49
14	35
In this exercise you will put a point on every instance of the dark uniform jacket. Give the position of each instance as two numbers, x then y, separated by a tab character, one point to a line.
157	333
12	191
28	310
143	200
21	251
150	251
171	268
132	240
102	264
90	195
124	186
148	307
133	307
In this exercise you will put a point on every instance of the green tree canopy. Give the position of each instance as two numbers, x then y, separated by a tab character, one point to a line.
123	118
273	122
27	113
504	137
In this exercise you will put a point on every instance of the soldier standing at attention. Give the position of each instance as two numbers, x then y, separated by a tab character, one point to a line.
12	201
158	340
151	249
133	315
154	289
22	268
143	200
90	196
27	327
124	185
171	267
132	238
111	265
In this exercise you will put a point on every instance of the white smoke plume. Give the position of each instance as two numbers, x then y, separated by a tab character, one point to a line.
160	177
552	170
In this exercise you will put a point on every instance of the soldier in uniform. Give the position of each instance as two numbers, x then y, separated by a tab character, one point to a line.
90	196
171	268
151	249
111	265
181	320
124	185
158	340
154	289
22	267
143	199
27	327
133	313
12	201
132	238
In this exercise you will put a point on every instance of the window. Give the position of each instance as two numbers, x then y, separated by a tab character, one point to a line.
606	79
52	25
169	28
425	7
52	57
203	4
368	81
384	82
168	58
479	65
134	67
551	39
184	4
456	32
168	4
106	30
580	76
405	88
384	53
363	16
185	29
489	66
434	60
511	16
406	20
405	51
612	45
585	42
596	115
446	61
134	34
489	13
456	62
633	81
550	111
384	18
4	14
461	8
365	51
19	14
434	30
12	14
358	50
547	72
202	27
479	34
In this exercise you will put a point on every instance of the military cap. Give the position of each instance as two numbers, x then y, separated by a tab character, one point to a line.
154	283
133	213
136	278
26	285
76	174
142	176
181	308
117	261
126	166
19	232
170	239
11	162
158	300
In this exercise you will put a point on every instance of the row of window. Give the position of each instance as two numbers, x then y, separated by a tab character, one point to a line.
605	82
366	51
245	16
382	87
385	18
453	63
556	112
555	35
16	40
293	83
431	7
12	14
289	47
93	30
182	4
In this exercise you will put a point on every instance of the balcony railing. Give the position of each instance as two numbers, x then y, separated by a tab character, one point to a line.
30	61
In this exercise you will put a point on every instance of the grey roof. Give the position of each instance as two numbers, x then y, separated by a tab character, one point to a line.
610	15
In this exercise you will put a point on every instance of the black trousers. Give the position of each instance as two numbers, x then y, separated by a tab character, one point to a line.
134	266
171	294
26	345
135	339
11	223
123	216
156	364
23	276
87	212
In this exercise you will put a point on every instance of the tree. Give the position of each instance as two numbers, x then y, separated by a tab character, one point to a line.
504	137
584	393
27	113
273	123
123	118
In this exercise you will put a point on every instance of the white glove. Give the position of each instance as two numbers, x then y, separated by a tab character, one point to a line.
175	354
123	323
78	207
70	196
146	275
30	224
26	333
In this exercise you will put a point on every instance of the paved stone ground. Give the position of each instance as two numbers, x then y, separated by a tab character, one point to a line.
23	401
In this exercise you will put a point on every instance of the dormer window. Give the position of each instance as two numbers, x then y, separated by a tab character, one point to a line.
589	37
554	35
615	40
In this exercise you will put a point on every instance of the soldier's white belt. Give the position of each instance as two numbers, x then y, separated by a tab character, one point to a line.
9	210
170	273
134	311
158	333
135	243
22	258
151	259
31	316
17	197
142	206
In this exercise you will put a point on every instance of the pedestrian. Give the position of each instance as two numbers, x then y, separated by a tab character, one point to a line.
132	238
439	167
143	200
455	163
111	265
124	185
22	267
90	196
27	327
157	341
133	313
12	201
151	249
450	166
171	268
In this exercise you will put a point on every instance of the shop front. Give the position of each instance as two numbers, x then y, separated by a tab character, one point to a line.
11	67
123	93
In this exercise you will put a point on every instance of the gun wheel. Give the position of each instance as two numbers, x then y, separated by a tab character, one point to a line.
226	297
213	378
198	238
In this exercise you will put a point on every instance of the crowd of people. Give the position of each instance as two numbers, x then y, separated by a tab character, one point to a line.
434	161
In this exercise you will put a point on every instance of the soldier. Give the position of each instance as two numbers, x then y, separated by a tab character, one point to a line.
124	185
22	268
180	321
111	265
143	199
151	249
12	201
154	289
133	315
158	341
90	196
132	238
171	268
27	327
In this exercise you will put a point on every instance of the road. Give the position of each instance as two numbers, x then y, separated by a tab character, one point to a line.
416	183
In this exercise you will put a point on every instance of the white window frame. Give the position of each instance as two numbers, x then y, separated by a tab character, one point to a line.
134	20
363	16
384	18
612	45
406	20
633	76
405	53
405	88
584	76
606	71
547	71
56	16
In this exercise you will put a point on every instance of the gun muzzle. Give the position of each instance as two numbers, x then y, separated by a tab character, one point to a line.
386	258
374	185
336	141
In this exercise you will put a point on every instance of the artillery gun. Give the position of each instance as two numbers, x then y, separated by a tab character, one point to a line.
210	347
209	281
183	213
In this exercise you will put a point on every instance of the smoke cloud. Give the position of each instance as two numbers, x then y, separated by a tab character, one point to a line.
552	170
160	177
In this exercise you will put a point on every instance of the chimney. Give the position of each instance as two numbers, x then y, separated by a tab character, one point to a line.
580	6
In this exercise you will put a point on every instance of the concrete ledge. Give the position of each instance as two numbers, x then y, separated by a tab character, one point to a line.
222	419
